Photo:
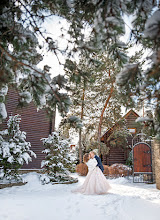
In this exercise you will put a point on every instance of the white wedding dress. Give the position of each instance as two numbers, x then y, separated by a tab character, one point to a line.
95	182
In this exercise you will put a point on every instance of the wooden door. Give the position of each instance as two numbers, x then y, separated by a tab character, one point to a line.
142	158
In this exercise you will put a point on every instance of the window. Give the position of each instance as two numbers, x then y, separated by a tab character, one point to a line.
132	130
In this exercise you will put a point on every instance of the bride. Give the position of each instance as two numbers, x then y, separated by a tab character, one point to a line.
95	182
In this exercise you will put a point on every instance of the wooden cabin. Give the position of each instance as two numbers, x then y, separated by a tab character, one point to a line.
119	154
35	123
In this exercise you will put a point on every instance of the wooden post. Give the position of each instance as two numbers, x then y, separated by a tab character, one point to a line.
153	161
156	151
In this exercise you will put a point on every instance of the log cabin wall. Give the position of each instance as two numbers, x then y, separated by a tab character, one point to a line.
118	154
131	116
34	123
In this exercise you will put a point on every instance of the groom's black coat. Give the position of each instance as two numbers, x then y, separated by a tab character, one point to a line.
99	163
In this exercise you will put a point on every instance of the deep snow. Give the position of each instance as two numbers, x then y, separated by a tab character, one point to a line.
33	201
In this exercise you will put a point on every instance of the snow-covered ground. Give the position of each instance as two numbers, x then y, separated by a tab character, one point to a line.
33	201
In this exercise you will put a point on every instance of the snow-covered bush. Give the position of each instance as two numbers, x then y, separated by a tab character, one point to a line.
58	162
14	150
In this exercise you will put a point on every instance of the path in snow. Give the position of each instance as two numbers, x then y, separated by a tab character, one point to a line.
33	201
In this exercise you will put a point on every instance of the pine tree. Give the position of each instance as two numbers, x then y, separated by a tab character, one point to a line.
137	82
14	150
21	51
129	160
58	161
90	94
148	123
92	26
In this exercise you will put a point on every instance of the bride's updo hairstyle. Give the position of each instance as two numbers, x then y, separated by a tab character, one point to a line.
86	158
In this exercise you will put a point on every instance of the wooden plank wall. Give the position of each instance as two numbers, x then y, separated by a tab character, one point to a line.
117	154
35	124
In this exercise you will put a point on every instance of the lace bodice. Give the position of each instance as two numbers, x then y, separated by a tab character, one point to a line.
92	163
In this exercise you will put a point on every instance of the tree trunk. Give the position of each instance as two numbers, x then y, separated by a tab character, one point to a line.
101	118
52	121
80	130
80	145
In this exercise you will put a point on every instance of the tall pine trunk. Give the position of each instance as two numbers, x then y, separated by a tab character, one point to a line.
101	118
52	121
80	145
80	130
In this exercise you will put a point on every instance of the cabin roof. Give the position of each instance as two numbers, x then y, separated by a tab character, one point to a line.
125	116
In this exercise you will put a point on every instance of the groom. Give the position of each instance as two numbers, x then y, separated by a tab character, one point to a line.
92	155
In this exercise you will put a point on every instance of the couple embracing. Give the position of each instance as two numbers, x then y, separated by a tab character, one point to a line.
95	182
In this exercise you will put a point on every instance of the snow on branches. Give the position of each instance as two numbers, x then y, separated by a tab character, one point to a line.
3	92
127	73
58	159
14	150
152	26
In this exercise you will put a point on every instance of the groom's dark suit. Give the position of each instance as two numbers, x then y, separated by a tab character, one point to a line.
99	163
